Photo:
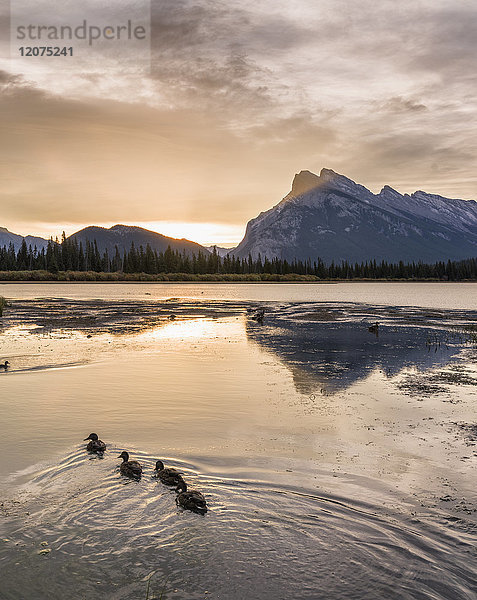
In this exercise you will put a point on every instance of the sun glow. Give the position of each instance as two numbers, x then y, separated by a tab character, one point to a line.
206	234
195	329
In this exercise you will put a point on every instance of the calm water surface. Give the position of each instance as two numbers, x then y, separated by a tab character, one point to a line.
436	295
336	464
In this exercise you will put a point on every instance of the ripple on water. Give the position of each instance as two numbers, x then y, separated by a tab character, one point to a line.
108	534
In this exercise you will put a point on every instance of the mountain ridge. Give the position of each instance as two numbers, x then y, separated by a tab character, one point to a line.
7	237
123	236
327	216
332	217
117	235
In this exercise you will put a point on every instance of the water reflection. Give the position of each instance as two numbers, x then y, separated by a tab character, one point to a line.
330	503
193	329
58	333
326	346
334	353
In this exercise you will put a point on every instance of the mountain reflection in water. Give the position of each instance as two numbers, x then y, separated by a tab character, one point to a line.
332	348
368	494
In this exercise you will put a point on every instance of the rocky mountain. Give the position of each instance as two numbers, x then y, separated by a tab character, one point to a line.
123	236
221	251
7	237
332	217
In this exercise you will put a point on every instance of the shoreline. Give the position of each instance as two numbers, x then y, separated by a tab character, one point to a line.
78	277
225	281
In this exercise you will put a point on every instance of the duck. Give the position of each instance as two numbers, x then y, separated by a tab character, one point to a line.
191	500
130	468
258	316
374	328
167	476
95	444
4	365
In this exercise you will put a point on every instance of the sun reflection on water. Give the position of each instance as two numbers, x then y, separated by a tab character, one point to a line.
195	329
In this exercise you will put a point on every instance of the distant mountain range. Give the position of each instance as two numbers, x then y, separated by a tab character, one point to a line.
220	250
7	238
121	236
332	217
327	216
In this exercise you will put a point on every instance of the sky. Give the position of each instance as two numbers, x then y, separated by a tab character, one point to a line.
236	98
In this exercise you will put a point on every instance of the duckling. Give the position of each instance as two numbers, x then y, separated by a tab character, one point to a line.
130	468
167	476
192	500
4	365
95	445
374	328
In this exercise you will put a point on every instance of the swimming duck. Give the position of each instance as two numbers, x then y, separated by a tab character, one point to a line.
95	445
167	476
374	328
4	365
192	500
258	316
130	468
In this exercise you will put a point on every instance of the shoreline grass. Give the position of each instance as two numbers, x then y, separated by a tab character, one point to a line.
102	277
118	277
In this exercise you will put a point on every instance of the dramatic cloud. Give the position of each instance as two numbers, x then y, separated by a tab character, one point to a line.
238	98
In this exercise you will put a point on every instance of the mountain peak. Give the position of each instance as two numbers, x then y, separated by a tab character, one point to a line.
337	180
122	236
332	217
120	227
387	190
303	182
329	174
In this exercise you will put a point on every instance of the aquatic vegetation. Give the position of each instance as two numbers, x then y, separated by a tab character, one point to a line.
458	334
469	334
420	385
148	588
3	304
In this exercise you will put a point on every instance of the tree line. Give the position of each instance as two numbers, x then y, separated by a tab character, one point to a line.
71	255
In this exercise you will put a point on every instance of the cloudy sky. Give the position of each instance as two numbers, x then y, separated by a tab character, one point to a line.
239	95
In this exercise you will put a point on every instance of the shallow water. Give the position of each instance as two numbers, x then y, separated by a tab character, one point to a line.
258	540
437	295
336	463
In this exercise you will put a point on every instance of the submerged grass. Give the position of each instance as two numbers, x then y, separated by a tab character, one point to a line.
465	334
3	304
451	335
148	588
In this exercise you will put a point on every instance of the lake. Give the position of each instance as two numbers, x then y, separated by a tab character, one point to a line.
437	295
336	463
